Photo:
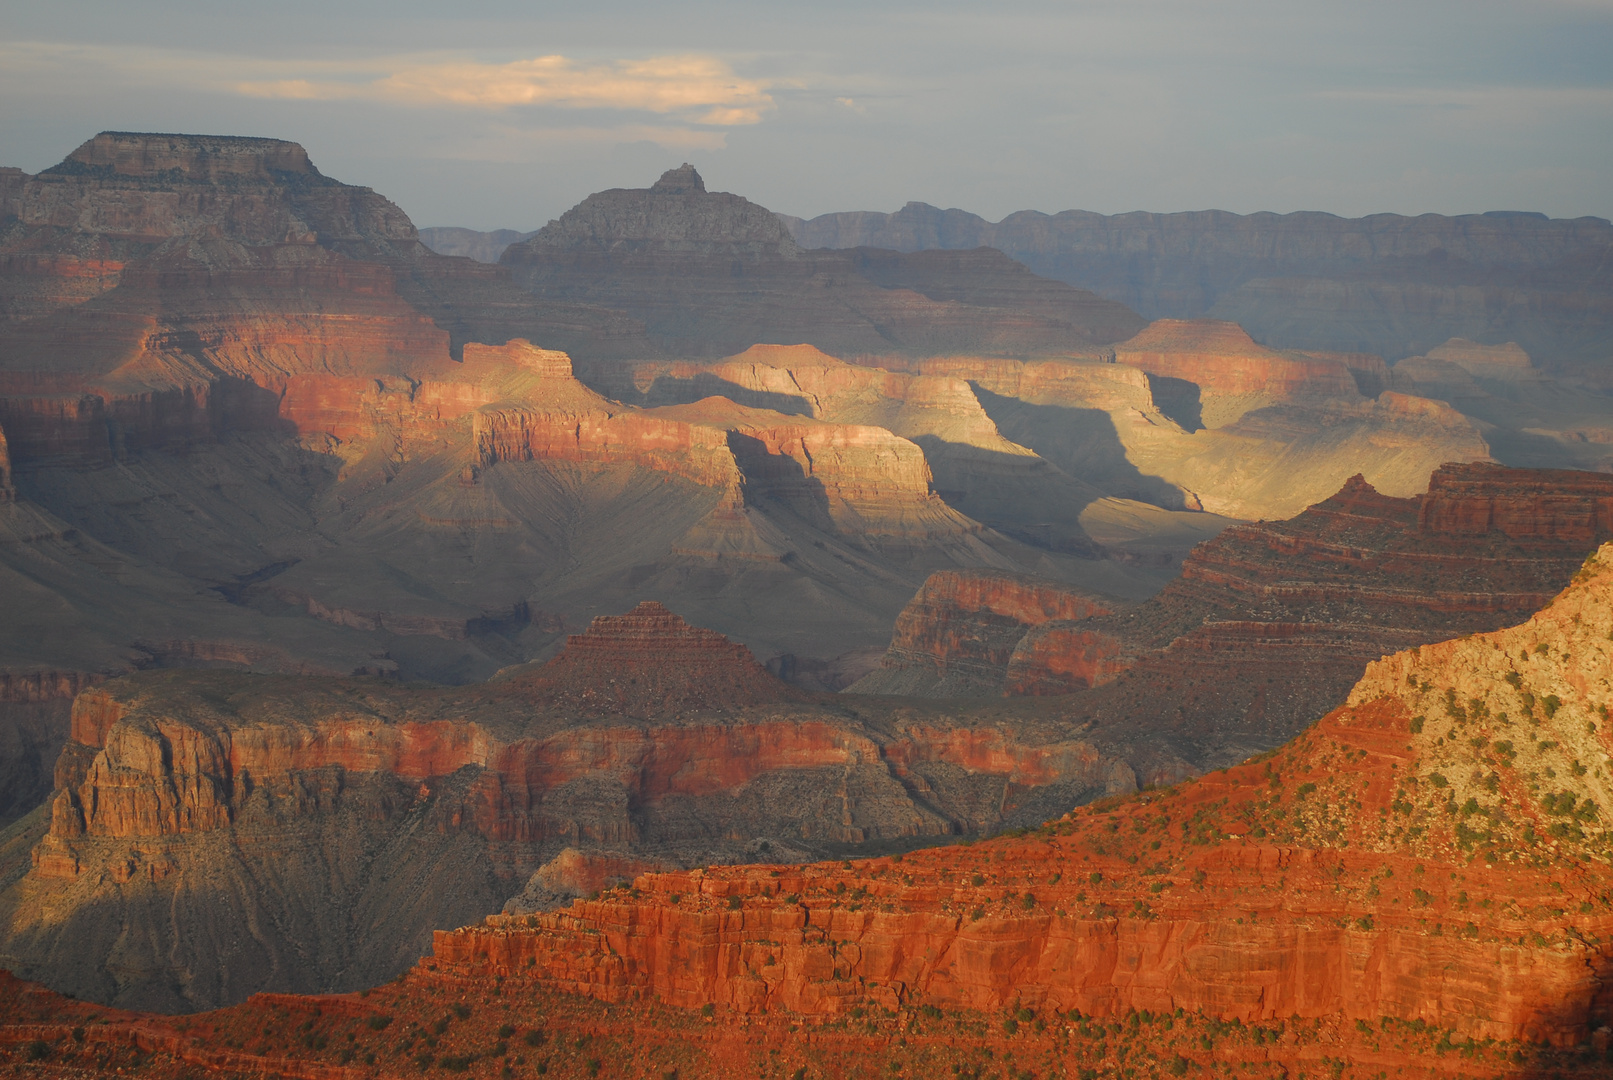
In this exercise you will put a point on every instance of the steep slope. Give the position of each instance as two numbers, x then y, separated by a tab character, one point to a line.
249	421
1385	284
1416	885
1431	856
711	273
1270	623
213	834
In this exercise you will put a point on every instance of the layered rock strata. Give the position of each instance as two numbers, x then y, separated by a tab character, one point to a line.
711	273
963	628
646	738
1432	854
1270	622
1385	284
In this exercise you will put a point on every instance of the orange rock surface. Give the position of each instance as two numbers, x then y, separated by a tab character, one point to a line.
1221	359
962	627
646	738
1341	877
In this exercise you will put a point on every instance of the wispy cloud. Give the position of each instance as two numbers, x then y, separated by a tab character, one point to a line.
701	87
693	89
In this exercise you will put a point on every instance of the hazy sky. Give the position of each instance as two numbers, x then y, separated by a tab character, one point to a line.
506	113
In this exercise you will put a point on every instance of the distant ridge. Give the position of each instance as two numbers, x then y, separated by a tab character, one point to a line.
1387	283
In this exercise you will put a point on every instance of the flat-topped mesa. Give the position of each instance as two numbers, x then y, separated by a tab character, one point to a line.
651	663
193	158
1506	361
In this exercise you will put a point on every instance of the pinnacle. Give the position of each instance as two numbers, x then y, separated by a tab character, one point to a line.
683	180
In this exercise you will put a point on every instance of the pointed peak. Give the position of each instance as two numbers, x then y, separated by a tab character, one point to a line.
683	180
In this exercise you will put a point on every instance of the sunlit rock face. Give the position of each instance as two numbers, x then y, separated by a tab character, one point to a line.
1269	623
402	809
1447	825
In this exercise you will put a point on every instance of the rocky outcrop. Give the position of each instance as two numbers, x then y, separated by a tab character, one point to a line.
646	738
650	662
1386	284
1286	887
959	632
711	273
1231	373
1270	623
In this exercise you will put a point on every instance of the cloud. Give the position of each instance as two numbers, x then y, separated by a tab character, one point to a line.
702	89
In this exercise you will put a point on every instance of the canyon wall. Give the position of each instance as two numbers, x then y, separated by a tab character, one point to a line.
646	738
711	273
957	636
1386	284
1271	622
1340	877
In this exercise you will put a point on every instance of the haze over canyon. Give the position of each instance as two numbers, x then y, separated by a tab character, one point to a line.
692	640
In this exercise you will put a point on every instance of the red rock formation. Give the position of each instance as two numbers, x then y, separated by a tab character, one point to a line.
576	1034
1557	506
1221	359
1270	623
1316	882
645	736
650	662
960	629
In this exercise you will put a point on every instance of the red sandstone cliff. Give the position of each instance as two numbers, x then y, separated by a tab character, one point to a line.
1341	877
645	737
959	632
1270	623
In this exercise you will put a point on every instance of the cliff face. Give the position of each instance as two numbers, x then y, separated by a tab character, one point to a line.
1343	877
712	273
1385	284
1269	623
961	629
646	739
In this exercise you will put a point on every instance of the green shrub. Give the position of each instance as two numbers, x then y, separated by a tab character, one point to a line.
379	1022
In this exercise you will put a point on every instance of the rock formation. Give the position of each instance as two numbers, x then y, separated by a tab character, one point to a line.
646	739
1270	623
710	273
1414	883
1430	855
1386	284
235	390
959	633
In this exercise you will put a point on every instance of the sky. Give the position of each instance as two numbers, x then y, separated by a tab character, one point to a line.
504	114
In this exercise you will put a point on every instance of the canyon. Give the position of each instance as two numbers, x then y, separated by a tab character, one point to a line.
1434	853
222	796
1415	884
1268	624
252	422
1387	284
